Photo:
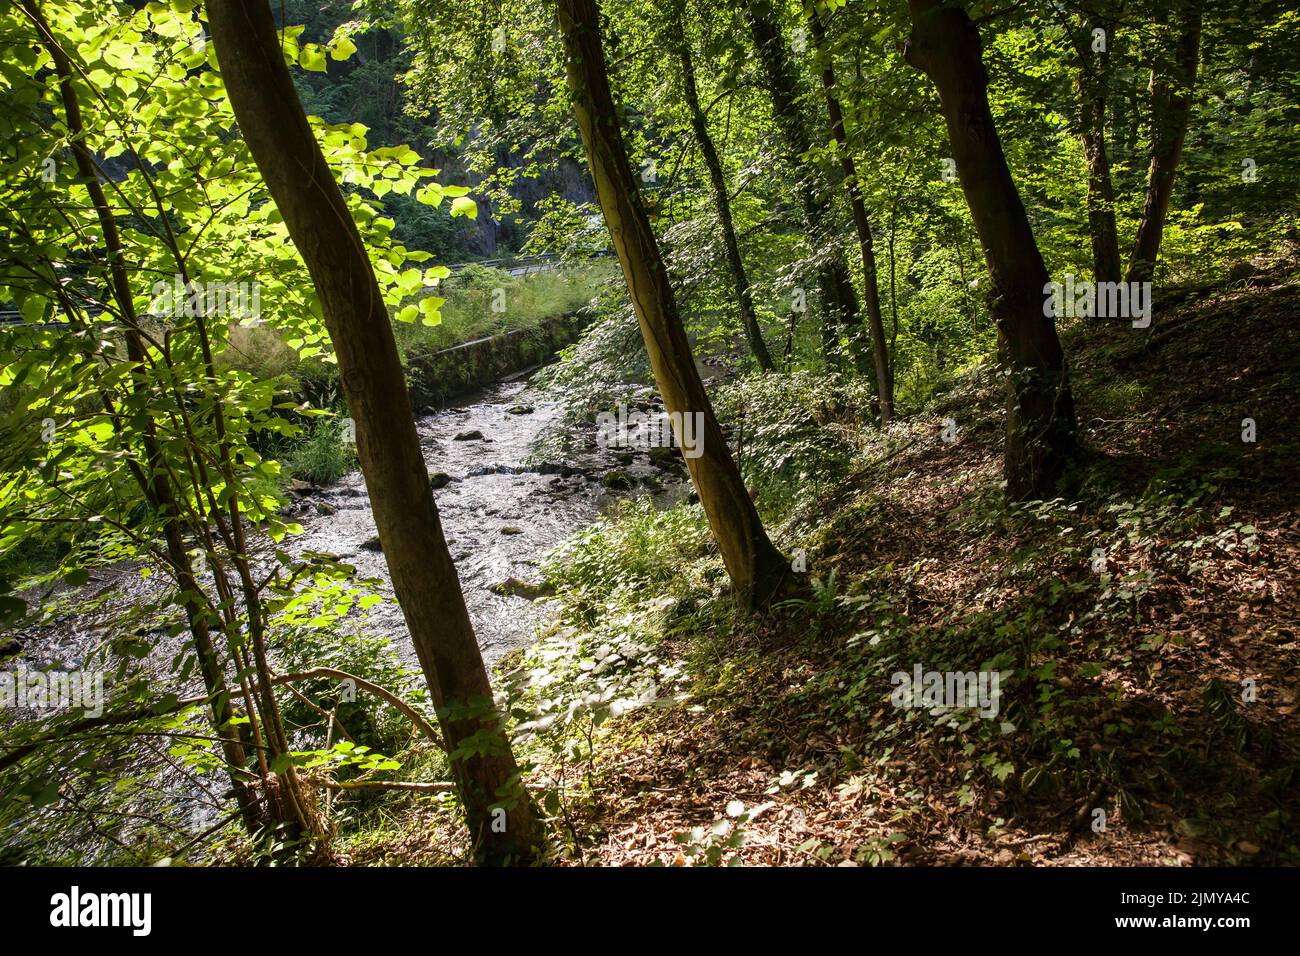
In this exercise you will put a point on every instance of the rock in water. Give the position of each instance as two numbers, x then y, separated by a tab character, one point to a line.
472	435
514	587
618	481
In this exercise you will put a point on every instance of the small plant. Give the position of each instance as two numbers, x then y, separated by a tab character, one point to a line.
321	456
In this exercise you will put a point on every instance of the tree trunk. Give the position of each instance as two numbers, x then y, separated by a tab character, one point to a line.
739	280
272	122
945	45
1171	105
1093	79
757	570
871	287
153	479
839	303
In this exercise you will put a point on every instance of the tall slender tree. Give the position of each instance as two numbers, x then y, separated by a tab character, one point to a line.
1040	438
862	224
721	199
272	122
1173	80
757	570
1092	36
839	302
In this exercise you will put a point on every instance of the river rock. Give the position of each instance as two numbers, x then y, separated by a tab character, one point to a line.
618	481
511	529
520	410
439	479
372	544
472	435
515	587
665	457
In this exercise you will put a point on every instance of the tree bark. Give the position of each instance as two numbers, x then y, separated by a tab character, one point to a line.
757	570
272	122
1093	80
1040	437
1171	89
839	303
718	182
871	286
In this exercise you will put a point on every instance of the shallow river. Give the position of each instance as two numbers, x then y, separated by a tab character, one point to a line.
503	509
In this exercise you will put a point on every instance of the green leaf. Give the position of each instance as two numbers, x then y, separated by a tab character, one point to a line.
341	48
312	58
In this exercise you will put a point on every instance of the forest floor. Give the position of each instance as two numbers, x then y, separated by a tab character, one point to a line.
1146	627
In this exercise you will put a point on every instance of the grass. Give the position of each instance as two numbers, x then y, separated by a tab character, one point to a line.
320	455
482	302
525	303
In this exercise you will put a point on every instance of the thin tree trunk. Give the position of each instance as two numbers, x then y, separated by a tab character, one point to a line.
718	182
1171	105
871	287
839	302
271	119
154	482
757	570
1093	79
945	45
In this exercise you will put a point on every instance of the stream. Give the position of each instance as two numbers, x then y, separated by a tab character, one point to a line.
503	507
514	485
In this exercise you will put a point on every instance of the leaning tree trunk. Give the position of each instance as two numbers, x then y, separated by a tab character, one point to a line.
871	287
272	122
1171	106
1093	80
839	302
757	570
722	204
945	45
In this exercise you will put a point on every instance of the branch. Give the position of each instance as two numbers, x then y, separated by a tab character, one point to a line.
441	786
416	718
